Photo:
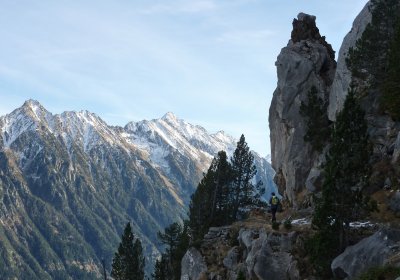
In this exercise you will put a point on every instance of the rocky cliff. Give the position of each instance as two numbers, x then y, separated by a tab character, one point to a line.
307	61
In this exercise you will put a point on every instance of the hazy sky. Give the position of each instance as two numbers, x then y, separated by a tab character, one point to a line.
211	62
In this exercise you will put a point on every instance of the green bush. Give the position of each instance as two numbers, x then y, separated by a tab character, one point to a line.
234	237
287	224
241	276
322	249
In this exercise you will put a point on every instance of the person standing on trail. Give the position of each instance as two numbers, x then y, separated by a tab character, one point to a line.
274	202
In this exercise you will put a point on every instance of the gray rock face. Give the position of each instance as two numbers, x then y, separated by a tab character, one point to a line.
342	78
232	258
396	150
394	204
260	254
193	265
382	129
376	250
305	62
267	255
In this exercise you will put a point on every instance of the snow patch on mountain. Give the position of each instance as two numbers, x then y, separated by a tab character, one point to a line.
162	141
161	137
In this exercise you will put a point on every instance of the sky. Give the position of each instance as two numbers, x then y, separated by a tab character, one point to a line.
210	62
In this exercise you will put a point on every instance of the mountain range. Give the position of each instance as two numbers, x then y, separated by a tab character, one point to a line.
70	182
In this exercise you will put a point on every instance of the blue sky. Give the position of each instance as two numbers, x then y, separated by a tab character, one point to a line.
211	62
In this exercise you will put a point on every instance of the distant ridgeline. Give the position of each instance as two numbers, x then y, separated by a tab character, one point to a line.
69	184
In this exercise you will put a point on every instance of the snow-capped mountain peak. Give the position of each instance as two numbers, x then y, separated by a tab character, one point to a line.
31	116
169	116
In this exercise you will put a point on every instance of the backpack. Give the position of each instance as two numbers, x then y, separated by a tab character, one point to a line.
274	200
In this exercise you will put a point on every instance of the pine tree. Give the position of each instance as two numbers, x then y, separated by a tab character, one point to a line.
176	238
391	87
138	261
162	269
346	174
244	193
128	262
210	204
220	205
368	60
199	207
170	237
318	124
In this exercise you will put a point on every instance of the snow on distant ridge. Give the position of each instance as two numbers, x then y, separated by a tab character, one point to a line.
161	137
157	138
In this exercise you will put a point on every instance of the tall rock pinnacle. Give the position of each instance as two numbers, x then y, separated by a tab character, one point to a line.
307	61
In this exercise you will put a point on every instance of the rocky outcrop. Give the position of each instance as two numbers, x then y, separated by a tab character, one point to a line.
256	252
307	61
193	265
382	129
341	82
267	255
382	248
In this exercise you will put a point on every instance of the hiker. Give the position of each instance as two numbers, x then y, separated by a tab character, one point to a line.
274	202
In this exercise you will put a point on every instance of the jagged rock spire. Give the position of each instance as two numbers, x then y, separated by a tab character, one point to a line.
306	62
305	28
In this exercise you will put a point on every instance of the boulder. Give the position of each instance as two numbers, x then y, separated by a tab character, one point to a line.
193	265
376	250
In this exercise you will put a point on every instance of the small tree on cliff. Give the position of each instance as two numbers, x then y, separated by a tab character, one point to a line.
346	174
317	122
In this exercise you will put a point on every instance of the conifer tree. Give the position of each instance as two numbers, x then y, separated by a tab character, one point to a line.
244	192
176	238
200	205
346	174
220	205
368	60
162	269
170	237
210	204
138	260
128	262
391	87
318	125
